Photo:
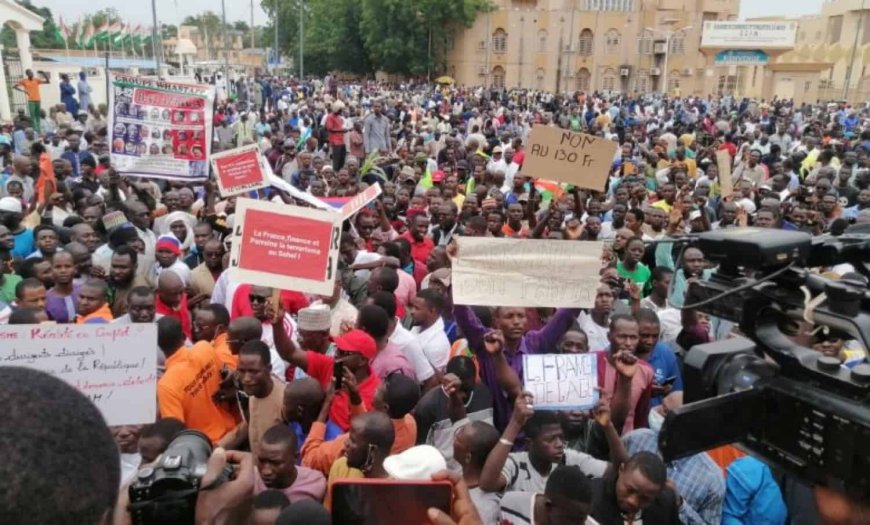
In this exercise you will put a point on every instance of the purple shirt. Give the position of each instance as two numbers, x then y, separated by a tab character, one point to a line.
534	342
62	309
309	484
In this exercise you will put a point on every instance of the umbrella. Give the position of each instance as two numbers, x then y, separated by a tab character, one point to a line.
444	80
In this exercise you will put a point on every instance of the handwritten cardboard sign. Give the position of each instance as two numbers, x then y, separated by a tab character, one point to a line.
561	381
114	365
239	170
723	161
360	200
526	272
285	247
576	158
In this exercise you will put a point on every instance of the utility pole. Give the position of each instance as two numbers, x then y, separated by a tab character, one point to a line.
252	24
301	39
154	30
226	49
277	53
852	55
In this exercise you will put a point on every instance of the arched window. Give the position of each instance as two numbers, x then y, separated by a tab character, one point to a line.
641	81
608	80
539	78
678	44
644	43
584	45
673	81
498	77
542	41
612	40
583	79
499	41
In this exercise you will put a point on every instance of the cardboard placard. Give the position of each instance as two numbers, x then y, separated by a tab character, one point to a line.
576	158
277	182
723	160
561	381
360	200
286	247
239	170
114	365
526	272
160	129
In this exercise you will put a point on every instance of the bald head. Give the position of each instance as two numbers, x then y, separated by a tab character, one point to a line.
302	400
169	280
242	330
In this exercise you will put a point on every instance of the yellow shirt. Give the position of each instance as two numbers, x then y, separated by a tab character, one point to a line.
339	471
663	204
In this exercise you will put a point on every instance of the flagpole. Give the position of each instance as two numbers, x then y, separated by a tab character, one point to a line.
154	29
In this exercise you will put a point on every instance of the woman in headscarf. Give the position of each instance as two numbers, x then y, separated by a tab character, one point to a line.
181	226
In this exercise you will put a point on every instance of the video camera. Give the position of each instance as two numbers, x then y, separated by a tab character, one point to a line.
793	407
166	493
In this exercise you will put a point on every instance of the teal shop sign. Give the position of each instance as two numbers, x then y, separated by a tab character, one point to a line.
737	57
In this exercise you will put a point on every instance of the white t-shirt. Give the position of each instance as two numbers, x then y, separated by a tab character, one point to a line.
596	333
518	508
487	504
405	341
436	346
521	475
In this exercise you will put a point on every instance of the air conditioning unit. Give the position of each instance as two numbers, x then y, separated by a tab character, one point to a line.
624	71
660	48
481	71
655	71
481	45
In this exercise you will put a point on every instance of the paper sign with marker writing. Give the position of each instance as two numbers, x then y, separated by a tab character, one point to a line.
360	200
562	155
239	170
526	272
723	161
114	365
286	247
561	381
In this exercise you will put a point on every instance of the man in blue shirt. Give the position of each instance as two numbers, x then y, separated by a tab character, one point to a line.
668	382
75	156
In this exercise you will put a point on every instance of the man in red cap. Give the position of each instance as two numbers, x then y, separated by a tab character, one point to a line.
354	351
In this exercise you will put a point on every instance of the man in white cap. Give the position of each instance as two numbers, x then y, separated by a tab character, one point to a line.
313	327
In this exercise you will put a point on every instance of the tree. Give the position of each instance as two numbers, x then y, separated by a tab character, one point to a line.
241	25
333	40
212	29
48	38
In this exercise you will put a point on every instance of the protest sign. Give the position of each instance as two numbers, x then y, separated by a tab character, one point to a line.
526	272
561	381
562	155
286	247
281	184
114	365
723	161
360	200
160	129
239	170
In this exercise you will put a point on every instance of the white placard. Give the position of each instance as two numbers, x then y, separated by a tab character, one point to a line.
114	365
561	381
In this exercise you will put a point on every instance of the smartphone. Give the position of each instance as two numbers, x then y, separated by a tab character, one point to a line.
385	501
669	381
337	374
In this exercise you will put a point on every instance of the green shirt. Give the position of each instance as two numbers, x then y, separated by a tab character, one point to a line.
7	288
640	276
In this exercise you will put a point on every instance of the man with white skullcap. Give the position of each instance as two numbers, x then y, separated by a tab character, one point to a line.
313	328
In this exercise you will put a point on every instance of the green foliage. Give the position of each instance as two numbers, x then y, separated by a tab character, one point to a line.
359	36
48	38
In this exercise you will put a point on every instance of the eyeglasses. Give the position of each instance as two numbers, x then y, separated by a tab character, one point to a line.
256	299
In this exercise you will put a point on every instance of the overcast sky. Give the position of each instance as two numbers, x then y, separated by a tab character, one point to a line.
173	11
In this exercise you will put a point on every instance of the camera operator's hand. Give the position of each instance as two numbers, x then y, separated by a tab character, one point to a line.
835	508
214	505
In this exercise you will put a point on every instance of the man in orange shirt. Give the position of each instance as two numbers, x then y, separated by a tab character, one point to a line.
192	378
396	396
94	303
210	323
30	87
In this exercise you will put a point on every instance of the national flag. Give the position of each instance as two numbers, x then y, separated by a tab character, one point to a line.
548	189
62	30
74	33
87	35
121	34
102	33
336	203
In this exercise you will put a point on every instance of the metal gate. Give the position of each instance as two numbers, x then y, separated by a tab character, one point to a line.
14	73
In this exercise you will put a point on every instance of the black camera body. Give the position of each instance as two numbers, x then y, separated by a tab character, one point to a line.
791	406
166	493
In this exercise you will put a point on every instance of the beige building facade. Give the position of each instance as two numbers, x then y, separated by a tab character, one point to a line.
213	48
633	46
839	38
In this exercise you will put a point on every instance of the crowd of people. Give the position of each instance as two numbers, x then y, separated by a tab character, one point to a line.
426	385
